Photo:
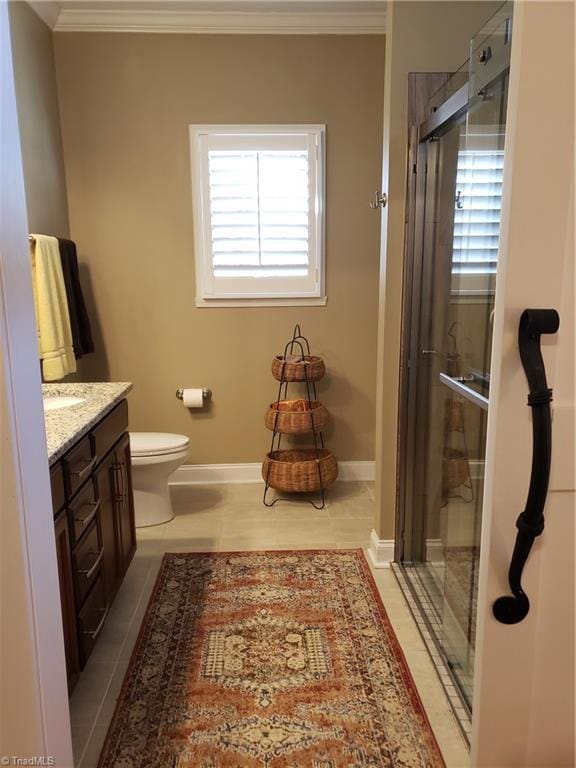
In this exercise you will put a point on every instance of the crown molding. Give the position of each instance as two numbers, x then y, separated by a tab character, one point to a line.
47	10
302	22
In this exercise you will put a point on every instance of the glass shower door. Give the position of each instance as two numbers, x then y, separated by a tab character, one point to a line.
466	374
460	220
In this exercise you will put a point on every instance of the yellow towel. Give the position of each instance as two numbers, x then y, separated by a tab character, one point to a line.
52	318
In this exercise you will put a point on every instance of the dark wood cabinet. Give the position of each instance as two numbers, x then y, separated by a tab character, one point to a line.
95	531
111	565
125	503
65	579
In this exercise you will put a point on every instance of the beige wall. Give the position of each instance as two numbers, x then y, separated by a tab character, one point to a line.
39	121
421	37
126	103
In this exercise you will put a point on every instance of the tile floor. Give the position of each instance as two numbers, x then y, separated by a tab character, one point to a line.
232	517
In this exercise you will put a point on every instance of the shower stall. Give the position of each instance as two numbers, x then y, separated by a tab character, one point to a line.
456	165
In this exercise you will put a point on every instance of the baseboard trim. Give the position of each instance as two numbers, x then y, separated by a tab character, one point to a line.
435	550
209	474
381	551
476	469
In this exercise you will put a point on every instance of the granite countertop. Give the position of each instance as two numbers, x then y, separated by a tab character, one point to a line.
66	426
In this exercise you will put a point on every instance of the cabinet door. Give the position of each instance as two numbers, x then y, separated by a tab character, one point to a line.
125	503
65	579
107	489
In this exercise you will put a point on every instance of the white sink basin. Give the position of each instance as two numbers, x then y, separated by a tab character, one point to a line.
61	401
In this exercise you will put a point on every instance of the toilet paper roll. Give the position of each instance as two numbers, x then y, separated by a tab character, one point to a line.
192	398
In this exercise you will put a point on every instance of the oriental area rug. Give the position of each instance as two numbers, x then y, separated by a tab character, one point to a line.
268	660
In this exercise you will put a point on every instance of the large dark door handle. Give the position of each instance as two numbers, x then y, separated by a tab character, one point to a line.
533	322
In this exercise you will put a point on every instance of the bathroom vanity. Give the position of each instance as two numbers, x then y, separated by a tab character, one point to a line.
89	453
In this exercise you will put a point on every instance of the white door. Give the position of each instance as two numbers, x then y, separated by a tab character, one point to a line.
523	710
34	718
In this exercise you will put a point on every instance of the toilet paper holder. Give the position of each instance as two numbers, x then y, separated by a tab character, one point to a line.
206	393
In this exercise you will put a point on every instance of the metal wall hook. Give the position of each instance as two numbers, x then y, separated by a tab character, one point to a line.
380	200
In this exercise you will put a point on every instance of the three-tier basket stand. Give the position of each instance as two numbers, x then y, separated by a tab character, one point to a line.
298	470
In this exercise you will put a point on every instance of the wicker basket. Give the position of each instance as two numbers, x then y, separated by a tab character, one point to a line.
455	469
293	417
454	416
296	471
293	368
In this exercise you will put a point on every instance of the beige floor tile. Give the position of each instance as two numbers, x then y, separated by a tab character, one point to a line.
203	529
198	497
188	516
150	532
129	595
353	544
407	633
454	750
130	642
448	736
94	747
385	579
109	703
135	627
422	668
245	493
147	547
347	490
191	544
305	532
242	524
346	529
90	692
249	511
301	510
239	544
303	544
360	509
111	639
80	736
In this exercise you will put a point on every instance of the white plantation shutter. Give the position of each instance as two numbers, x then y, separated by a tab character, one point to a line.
258	211
477	215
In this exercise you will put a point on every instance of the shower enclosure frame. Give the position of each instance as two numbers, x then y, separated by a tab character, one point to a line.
421	179
419	182
490	65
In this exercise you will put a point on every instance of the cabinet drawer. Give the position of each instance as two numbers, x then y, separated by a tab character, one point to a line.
107	432
83	509
57	488
91	618
78	464
86	562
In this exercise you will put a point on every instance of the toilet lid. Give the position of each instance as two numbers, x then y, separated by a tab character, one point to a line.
156	443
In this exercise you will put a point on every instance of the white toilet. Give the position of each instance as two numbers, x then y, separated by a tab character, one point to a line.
155	456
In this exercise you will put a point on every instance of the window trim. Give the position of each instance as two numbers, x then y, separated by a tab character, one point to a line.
202	241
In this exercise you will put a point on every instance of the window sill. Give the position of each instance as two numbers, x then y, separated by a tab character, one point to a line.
319	301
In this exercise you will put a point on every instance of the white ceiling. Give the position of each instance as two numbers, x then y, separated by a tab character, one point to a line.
217	16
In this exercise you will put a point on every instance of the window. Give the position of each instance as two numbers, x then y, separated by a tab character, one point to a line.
477	216
258	202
